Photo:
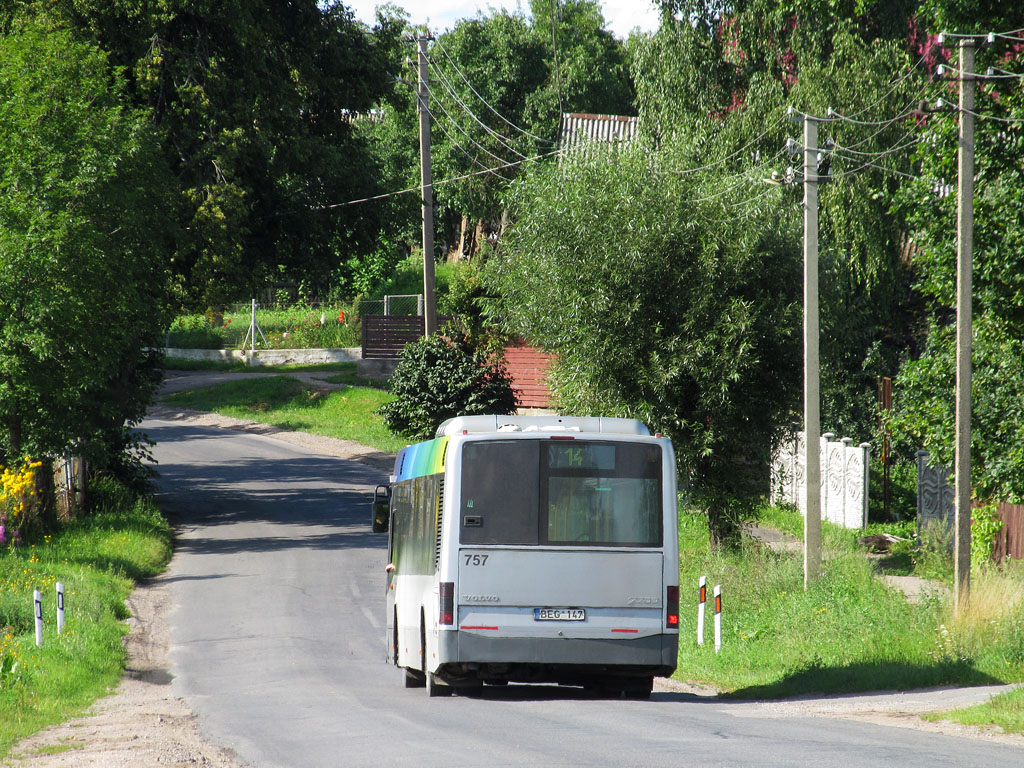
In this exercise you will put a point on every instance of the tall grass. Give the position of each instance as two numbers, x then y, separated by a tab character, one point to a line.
97	559
297	327
847	632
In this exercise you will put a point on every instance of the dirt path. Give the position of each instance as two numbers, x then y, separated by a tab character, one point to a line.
141	724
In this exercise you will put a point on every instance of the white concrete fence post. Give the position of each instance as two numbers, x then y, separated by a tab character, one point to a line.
37	600
718	617
60	607
702	596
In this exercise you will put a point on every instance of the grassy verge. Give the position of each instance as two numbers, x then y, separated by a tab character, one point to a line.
1005	711
286	403
848	632
97	559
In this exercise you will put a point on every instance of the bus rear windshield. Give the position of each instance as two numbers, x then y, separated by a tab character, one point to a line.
561	492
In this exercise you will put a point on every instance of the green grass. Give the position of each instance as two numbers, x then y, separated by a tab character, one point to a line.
848	632
283	402
1004	711
97	559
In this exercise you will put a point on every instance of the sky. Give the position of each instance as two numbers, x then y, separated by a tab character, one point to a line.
621	15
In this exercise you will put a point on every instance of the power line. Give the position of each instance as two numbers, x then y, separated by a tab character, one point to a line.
887	124
739	151
458	146
437	183
740	179
466	133
833	115
867	164
1010	120
883	153
476	93
911	70
503	140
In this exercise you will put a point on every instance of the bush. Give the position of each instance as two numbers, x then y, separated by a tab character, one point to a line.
441	377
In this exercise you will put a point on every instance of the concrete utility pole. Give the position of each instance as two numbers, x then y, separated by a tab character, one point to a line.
812	400
964	248
427	193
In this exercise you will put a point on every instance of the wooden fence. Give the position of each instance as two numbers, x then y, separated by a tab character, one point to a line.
1010	539
529	367
384	336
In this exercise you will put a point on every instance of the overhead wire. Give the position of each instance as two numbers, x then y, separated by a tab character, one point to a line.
457	145
739	178
911	70
739	151
487	104
437	183
446	84
465	132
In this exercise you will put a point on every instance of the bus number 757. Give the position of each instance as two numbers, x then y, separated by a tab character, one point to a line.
476	559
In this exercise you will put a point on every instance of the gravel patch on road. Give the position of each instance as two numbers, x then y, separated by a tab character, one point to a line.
141	724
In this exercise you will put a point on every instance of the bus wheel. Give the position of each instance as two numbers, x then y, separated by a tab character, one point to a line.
435	687
639	690
414	679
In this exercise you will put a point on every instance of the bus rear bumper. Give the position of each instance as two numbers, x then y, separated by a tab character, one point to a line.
565	660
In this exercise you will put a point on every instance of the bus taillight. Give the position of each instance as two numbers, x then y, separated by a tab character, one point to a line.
672	608
447	606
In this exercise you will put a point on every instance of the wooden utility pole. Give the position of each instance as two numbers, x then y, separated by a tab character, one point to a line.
812	400
964	247
427	192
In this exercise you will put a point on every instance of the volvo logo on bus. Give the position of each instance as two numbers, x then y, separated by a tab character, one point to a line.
480	599
643	601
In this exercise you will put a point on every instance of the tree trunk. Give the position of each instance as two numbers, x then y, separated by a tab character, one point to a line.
723	528
461	253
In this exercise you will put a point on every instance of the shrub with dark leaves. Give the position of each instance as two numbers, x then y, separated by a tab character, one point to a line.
444	376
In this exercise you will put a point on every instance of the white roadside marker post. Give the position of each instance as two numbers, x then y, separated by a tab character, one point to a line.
60	607
702	596
37	600
718	617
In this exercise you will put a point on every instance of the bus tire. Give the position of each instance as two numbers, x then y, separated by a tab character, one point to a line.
639	690
435	687
414	679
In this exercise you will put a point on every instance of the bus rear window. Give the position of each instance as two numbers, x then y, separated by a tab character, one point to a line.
499	492
561	492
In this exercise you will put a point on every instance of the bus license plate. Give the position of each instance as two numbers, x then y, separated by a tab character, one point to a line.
559	614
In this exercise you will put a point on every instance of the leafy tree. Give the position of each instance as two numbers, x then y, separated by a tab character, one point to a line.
441	377
255	105
725	77
496	98
924	391
665	300
83	248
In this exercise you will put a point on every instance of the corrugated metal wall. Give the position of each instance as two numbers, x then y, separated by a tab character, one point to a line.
578	131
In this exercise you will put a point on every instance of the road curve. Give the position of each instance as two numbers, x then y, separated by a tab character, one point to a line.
278	645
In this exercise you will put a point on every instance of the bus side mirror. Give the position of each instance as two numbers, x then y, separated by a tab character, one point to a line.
381	508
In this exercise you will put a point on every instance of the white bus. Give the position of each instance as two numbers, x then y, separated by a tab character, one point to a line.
533	549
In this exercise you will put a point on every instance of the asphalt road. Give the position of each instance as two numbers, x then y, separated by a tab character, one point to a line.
278	645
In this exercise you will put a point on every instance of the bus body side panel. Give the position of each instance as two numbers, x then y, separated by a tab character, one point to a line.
413	600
